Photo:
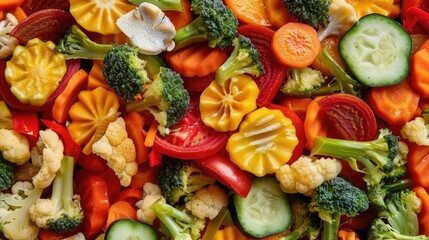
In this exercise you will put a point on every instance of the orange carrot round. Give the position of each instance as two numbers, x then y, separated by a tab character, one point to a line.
249	11
120	210
295	45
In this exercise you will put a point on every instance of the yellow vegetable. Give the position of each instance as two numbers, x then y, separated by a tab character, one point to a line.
95	77
365	7
264	142
90	116
5	116
223	107
34	71
230	232
99	15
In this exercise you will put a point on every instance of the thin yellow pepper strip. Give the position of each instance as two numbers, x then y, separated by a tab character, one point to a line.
34	71
264	142
223	107
5	116
365	7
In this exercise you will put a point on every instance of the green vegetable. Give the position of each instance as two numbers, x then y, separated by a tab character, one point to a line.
173	5
312	12
76	44
124	71
178	179
302	82
243	59
378	193
153	64
335	198
214	23
265	210
130	229
380	230
180	224
166	99
6	173
377	51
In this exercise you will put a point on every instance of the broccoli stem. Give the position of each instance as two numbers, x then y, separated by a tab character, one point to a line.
67	183
173	5
330	229
190	34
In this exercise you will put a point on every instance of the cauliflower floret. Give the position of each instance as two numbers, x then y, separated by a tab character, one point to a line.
7	42
14	146
342	17
207	202
151	193
416	131
48	153
305	175
41	211
118	150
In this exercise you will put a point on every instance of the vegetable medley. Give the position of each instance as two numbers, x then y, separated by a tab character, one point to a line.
211	119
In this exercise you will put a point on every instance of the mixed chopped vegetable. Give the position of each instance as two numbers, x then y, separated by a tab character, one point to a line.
214	119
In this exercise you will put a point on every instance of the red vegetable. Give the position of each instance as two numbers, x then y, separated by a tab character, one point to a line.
274	73
91	162
415	20
406	4
198	84
37	5
26	123
134	123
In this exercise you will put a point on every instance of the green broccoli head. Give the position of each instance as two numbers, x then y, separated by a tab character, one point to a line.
302	82
179	178
243	59
312	12
166	99
306	223
378	193
76	44
214	23
6	173
124	71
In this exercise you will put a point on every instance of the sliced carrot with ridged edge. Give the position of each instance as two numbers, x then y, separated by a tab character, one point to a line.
249	11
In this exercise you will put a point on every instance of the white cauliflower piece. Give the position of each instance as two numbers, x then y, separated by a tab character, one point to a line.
207	202
118	150
7	42
305	175
416	131
148	28
14	146
41	211
48	154
342	16
151	194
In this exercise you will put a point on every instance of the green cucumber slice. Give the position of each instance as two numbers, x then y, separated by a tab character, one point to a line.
127	229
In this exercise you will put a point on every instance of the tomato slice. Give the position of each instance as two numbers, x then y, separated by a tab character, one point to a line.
191	138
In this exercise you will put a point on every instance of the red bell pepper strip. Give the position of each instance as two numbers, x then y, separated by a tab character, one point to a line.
154	158
26	123
134	123
406	4
71	148
416	21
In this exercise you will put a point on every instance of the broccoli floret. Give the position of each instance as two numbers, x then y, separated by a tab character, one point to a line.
179	178
376	156
380	230
180	224
214	23
312	12
335	198
124	71
243	59
165	98
302	82
173	5
76	44
378	193
6	173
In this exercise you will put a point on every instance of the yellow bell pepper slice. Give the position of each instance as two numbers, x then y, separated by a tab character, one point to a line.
5	116
264	142
100	15
365	7
34	71
91	115
223	107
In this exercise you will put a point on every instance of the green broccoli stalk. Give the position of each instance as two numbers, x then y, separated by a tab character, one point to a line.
6	173
166	99
302	82
124	71
376	156
180	224
378	193
335	198
76	44
380	230
312	12
214	23
169	5
243	59
178	179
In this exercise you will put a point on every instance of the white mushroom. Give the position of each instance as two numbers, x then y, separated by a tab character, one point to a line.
148	29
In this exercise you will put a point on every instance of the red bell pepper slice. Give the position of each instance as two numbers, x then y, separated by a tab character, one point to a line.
415	21
26	123
406	4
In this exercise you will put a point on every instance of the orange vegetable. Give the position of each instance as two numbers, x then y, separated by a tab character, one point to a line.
365	7
347	234
295	45
96	78
196	60
418	164
395	104
230	232
396	9
144	174
151	134
120	210
68	96
420	71
249	11
18	12
4	4
134	124
330	43
298	105
424	214
183	18
277	13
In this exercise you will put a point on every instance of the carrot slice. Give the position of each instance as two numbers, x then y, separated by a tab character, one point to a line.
183	18
298	105
4	4
249	11
278	14
424	213
151	134
120	210
420	71
19	14
295	45
67	97
396	104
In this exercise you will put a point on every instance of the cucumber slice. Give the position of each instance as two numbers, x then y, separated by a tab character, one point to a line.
377	51
265	210
127	229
